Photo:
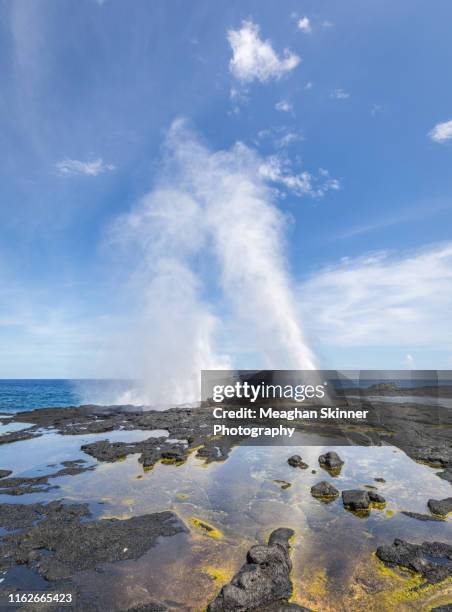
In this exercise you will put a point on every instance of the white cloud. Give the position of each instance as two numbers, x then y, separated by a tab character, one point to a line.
327	24
281	137
441	132
383	300
254	58
278	169
340	94
77	167
284	106
309	85
304	24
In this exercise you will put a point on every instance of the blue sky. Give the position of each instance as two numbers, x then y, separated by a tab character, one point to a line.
346	106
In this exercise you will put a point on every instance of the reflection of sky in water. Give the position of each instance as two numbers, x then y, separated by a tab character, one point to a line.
32	457
8	427
240	498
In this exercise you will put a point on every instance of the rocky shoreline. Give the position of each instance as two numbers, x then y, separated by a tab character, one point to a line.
57	539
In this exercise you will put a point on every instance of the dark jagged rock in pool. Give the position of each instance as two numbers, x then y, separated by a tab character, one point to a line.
40	484
23	516
379	479
432	560
263	583
17	436
355	499
446	475
324	490
422	517
4	473
297	462
152	450
440	506
57	546
331	462
376	498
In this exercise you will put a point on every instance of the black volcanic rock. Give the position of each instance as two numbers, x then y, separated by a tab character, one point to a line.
297	461
331	462
23	516
440	506
376	498
263	583
446	475
432	560
61	544
324	490
40	484
17	436
421	517
356	499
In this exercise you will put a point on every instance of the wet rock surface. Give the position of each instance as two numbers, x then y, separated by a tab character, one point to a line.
40	484
355	499
331	462
421	517
17	436
358	500
376	498
432	560
297	462
440	506
263	583
411	427
446	475
22	516
324	490
192	426
60	541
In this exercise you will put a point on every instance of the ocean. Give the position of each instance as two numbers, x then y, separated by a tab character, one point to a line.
28	394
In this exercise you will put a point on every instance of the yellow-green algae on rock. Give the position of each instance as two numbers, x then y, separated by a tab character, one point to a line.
205	528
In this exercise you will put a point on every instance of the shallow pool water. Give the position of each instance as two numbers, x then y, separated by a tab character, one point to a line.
333	551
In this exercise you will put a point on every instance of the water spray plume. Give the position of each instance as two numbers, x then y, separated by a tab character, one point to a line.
210	227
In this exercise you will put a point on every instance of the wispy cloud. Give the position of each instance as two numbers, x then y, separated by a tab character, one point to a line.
405	215
280	137
402	300
254	58
284	106
75	167
441	132
278	169
304	24
340	94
